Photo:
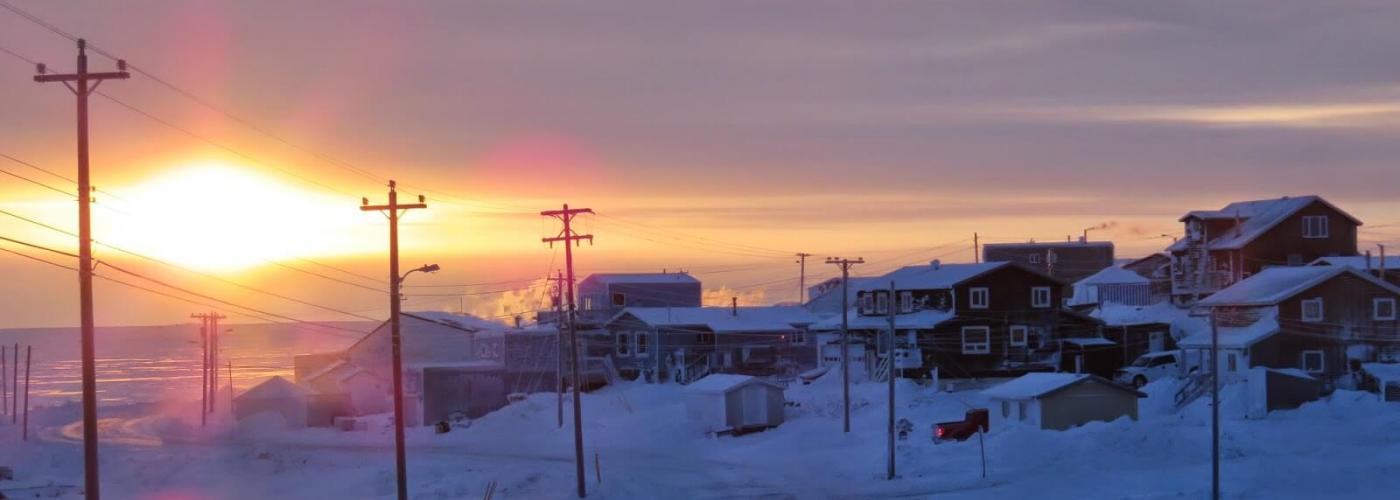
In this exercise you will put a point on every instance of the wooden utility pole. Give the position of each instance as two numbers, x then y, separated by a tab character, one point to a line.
28	358
4	382
392	211
204	368
559	344
889	352
1214	407
976	249
570	239
802	277
845	324
83	84
14	387
230	386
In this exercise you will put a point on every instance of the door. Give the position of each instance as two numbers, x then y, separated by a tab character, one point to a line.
755	406
1157	341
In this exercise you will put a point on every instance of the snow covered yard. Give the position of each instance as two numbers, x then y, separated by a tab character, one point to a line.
1346	446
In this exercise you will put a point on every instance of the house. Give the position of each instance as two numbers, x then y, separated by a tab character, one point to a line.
1067	261
1155	267
1138	330
1324	320
683	344
1386	268
277	396
601	296
723	402
1222	247
469	389
530	358
825	297
965	319
1116	285
1059	401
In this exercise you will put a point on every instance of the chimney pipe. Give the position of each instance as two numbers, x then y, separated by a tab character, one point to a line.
1368	261
1382	266
734	306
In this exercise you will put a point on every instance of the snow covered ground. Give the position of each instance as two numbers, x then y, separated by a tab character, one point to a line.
1347	446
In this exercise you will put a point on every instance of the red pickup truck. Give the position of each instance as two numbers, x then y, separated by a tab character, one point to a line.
976	419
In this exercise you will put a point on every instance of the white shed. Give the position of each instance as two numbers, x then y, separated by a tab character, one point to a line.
724	402
275	395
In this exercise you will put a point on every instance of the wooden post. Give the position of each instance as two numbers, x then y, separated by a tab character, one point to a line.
28	358
597	468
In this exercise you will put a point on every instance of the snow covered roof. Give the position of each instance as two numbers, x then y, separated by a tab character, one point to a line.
1256	217
1111	275
275	388
720	383
1236	337
476	364
466	322
1125	315
633	278
1359	262
1275	284
924	319
1050	244
932	276
1038	385
830	300
723	319
1389	372
1089	341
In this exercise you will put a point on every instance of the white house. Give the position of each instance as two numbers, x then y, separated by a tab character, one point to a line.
723	402
1059	401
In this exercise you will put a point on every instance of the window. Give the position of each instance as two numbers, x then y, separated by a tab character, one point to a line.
619	299
624	341
798	338
588	303
1005	409
976	340
1314	226
977	297
1314	362
643	344
882	303
1018	335
705	338
1230	362
906	302
1040	296
865	304
1312	309
1021	407
1383	308
1035	258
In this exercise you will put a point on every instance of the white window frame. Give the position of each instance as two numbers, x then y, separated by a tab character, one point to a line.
906	302
867	305
1035	258
1036	299
1315	226
798	338
882	303
1025	336
972	293
1321	360
1376	308
1321	311
622	345
641	345
982	347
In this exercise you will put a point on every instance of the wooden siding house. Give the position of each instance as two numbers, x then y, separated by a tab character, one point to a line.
1386	268
1323	320
1068	261
601	296
683	344
1222	247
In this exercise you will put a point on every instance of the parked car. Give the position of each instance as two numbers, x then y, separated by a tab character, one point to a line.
976	419
1150	367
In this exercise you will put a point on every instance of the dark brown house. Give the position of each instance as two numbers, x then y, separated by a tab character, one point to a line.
969	319
1068	261
1323	320
1222	247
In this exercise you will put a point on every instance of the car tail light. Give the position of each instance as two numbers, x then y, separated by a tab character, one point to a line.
938	432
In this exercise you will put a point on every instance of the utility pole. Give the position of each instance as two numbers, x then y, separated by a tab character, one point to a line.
976	248
1214	407
28	359
889	351
214	318
393	212
845	324
83	84
559	344
802	277
14	388
571	238
204	368
4	384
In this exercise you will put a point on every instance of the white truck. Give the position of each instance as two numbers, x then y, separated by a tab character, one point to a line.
1151	367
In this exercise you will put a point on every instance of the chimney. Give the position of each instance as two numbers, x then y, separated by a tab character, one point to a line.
936	264
734	306
518	319
1368	262
1382	266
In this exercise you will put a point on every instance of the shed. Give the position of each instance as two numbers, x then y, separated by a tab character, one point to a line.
275	395
725	402
1059	401
1093	355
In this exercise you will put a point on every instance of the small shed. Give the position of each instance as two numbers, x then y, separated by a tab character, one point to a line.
275	395
723	402
1093	355
1059	401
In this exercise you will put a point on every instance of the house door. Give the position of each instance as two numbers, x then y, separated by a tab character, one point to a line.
1156	341
755	406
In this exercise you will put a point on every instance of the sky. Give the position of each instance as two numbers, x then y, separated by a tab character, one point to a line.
716	137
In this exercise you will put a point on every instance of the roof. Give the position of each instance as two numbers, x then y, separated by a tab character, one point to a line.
1112	275
1256	217
723	319
1389	372
460	321
933	276
1039	385
1089	341
275	388
927	318
1050	244
720	383
635	278
1276	284
1235	337
830	300
1125	315
1359	262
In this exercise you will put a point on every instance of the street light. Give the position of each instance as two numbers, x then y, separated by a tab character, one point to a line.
430	268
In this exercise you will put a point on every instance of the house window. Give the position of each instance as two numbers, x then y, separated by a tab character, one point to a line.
588	303
882	303
705	339
1230	362
1314	362
624	344
977	297
906	302
1005	409
1018	335
1383	309
798	338
1314	226
619	299
1035	258
865	304
1021	407
1312	309
643	344
976	340
1040	296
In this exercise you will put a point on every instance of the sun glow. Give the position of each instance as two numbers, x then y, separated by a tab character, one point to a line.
217	217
